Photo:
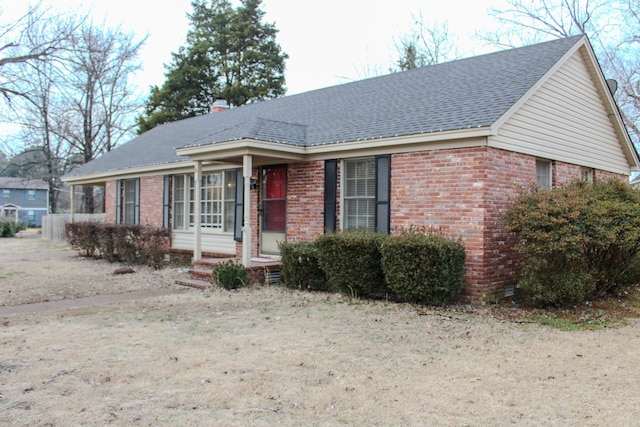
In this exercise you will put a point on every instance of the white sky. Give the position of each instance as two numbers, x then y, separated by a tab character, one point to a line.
328	41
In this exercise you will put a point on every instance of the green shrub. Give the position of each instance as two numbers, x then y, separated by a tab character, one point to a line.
423	268
9	227
352	264
230	275
299	267
576	242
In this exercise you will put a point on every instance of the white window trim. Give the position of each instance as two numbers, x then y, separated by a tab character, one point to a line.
550	176
187	202
586	175
343	182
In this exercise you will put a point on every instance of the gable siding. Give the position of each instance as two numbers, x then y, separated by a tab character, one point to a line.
565	120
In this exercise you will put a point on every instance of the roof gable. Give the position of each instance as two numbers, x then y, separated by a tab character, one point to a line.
569	115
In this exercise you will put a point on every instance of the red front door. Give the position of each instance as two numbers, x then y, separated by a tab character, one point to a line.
274	208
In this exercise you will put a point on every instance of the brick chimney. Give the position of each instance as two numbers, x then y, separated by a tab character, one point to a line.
219	105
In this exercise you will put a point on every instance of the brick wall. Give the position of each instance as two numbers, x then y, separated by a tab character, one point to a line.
151	192
444	189
305	201
564	172
151	189
462	191
465	192
506	174
110	202
603	175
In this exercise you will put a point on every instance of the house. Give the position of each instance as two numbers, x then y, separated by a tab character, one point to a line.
444	146
25	200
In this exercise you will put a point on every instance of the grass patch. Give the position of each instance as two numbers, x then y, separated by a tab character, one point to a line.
608	312
10	274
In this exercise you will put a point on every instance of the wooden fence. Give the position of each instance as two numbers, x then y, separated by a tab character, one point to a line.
53	225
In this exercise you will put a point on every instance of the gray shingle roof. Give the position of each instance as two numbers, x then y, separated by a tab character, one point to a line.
463	94
23	183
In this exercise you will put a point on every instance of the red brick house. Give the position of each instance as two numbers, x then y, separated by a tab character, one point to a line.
443	146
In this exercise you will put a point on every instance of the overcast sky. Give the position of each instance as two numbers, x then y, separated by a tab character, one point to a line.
328	41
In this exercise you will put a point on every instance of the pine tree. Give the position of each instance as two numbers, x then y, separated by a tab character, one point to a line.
230	54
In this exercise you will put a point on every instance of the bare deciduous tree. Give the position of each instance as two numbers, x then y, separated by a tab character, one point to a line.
67	83
33	36
426	44
101	102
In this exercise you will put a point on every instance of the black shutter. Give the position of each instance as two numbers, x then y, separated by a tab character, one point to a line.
383	193
330	189
136	202
118	201
239	207
166	199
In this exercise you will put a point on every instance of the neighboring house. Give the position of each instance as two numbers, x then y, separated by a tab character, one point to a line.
444	146
25	200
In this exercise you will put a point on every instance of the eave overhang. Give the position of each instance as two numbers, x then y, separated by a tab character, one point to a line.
220	155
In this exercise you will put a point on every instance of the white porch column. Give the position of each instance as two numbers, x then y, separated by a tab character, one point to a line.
197	236
247	161
72	202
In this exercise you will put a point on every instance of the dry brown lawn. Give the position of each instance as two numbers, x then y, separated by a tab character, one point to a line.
267	356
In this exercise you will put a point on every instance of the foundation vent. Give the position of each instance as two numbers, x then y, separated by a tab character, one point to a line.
509	290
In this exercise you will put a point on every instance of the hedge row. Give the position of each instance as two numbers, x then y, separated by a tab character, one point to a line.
418	267
131	244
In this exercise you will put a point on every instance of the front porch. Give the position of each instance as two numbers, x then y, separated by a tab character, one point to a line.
263	271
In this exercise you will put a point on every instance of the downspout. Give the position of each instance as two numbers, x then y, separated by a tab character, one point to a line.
197	232
247	161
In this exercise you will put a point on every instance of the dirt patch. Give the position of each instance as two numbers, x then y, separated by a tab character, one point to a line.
268	356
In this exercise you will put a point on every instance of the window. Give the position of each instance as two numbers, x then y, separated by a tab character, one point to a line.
217	201
586	175
360	194
30	194
229	200
543	173
6	192
31	215
178	201
128	201
211	201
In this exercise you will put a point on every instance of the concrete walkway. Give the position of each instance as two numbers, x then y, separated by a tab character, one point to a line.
86	302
